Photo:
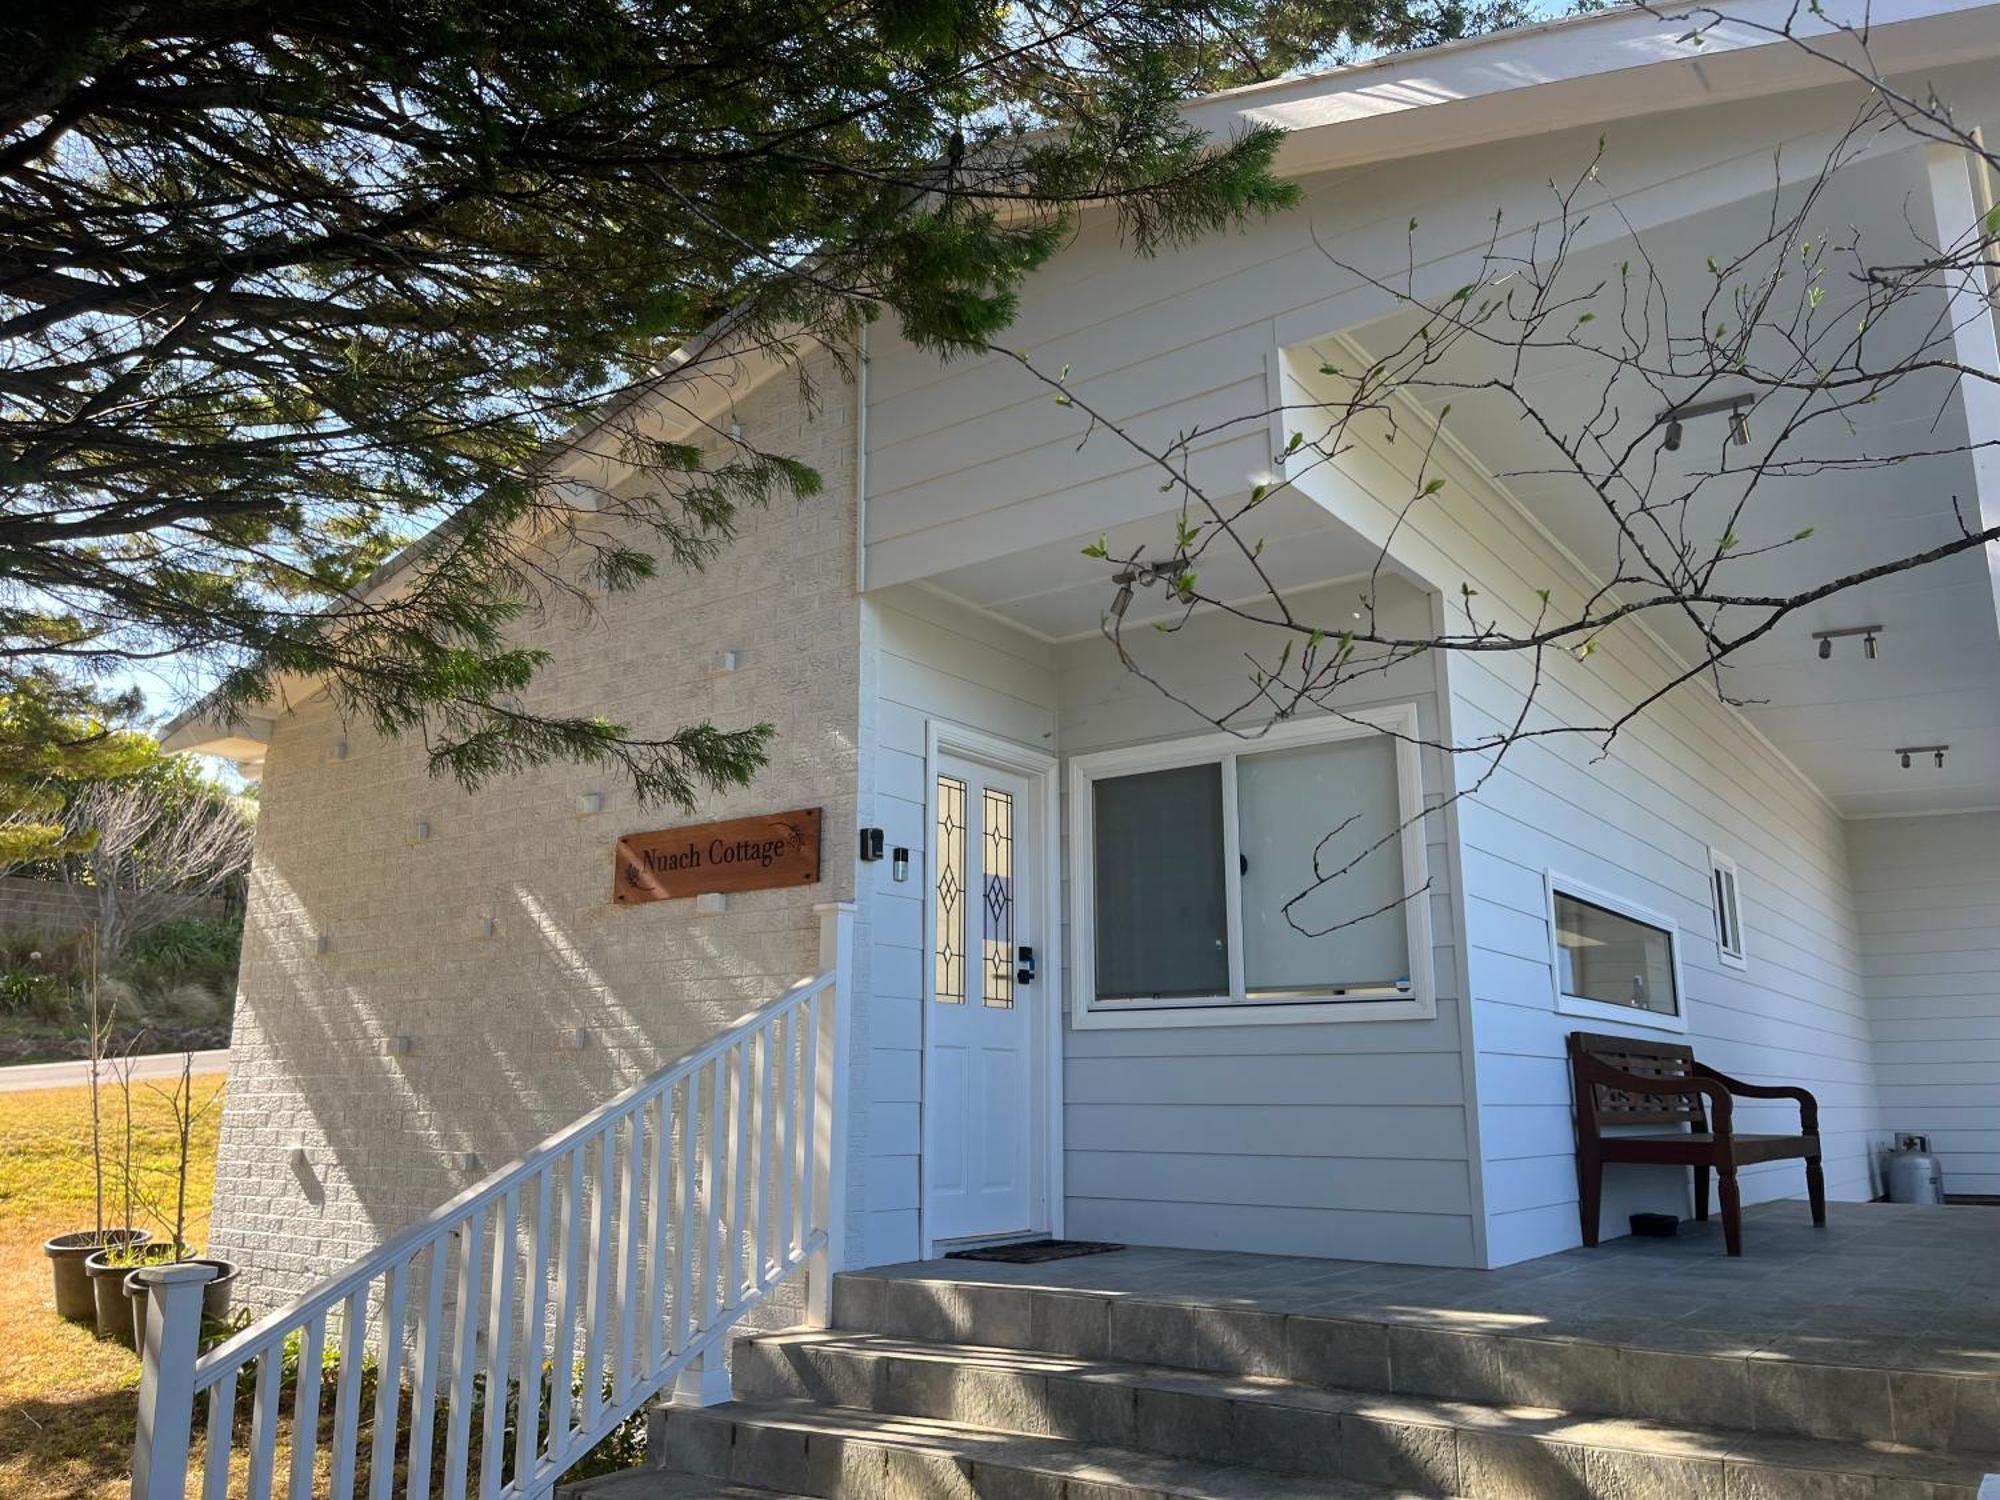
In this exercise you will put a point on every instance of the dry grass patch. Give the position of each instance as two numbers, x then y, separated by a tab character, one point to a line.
67	1399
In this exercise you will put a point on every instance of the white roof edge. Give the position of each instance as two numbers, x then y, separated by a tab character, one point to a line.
1582	70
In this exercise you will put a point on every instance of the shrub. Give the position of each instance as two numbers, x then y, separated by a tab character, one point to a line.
187	945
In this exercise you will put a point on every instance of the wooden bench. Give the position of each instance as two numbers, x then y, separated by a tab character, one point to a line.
1622	1080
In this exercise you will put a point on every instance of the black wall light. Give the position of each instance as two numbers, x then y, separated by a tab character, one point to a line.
871	845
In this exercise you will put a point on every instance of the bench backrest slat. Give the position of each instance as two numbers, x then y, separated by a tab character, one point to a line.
1604	1105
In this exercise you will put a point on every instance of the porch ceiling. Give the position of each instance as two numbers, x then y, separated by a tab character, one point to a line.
1838	720
1055	592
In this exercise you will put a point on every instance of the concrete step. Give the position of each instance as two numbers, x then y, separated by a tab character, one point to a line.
840	1454
1432	1445
657	1484
1845	1391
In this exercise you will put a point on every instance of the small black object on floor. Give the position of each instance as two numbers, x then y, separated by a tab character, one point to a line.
1034	1252
1656	1226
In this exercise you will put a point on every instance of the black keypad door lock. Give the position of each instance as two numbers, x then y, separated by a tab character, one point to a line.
1024	973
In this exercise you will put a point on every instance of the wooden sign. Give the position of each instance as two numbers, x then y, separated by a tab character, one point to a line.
743	854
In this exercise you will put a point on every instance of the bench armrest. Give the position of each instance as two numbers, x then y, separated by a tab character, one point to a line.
1591	1071
1808	1105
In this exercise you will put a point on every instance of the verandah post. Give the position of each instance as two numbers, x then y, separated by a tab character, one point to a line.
836	956
166	1378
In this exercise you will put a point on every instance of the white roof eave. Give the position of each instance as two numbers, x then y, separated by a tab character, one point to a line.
1587	70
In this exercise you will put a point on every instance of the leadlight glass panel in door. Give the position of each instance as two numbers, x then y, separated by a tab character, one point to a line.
950	920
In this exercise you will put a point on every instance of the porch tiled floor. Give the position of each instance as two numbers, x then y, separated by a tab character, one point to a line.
1883	1285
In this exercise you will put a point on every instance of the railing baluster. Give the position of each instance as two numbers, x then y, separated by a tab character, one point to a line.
464	1355
788	1231
662	1131
221	1437
596	1314
561	1403
305	1406
766	1243
499	1340
423	1400
534	1334
264	1423
388	1384
631	1175
739	1166
347	1394
684	1246
718	1125
809	1099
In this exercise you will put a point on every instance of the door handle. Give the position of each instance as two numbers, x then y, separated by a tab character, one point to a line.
1024	973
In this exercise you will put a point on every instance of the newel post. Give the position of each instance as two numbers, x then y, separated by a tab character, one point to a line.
166	1378
836	956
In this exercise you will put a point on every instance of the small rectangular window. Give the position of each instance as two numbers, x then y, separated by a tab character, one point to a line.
1725	890
1611	958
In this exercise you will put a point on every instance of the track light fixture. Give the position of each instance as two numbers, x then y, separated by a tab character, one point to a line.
1905	753
1738	408
1868	633
1139	575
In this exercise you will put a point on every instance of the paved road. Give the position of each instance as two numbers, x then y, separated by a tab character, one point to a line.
64	1074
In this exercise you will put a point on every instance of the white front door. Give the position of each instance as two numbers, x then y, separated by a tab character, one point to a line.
981	1110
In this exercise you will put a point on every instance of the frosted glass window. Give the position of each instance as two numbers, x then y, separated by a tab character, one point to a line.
1614	959
1345	932
1162	925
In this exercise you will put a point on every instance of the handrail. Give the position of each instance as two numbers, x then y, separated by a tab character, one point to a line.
414	1238
554	1297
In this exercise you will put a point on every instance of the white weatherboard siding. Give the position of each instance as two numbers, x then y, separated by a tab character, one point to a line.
1636	821
1347	1139
1929	896
971	459
930	659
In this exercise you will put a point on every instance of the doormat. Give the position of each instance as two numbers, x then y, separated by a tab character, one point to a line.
1034	1252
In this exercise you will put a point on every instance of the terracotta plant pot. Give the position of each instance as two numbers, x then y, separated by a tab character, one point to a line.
215	1296
67	1253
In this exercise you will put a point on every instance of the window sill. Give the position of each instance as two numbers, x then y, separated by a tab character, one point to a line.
1302	1013
1619	1015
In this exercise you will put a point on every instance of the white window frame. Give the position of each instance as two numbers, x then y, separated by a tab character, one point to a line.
1597	1010
1720	865
1088	1014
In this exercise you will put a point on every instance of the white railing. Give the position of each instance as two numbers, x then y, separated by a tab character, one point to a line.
533	1313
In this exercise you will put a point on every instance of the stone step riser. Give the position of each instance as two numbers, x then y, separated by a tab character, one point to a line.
1431	1457
1795	1398
837	1467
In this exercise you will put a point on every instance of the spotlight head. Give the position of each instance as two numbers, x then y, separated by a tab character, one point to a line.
1825	648
1123	601
1739	427
1939	760
1906	760
1672	441
1868	646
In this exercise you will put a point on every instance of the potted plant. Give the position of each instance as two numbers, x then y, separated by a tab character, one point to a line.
68	1253
187	1113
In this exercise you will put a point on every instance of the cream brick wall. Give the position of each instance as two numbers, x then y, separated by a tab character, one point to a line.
407	953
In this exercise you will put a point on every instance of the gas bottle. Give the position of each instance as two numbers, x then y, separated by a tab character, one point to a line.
1914	1174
